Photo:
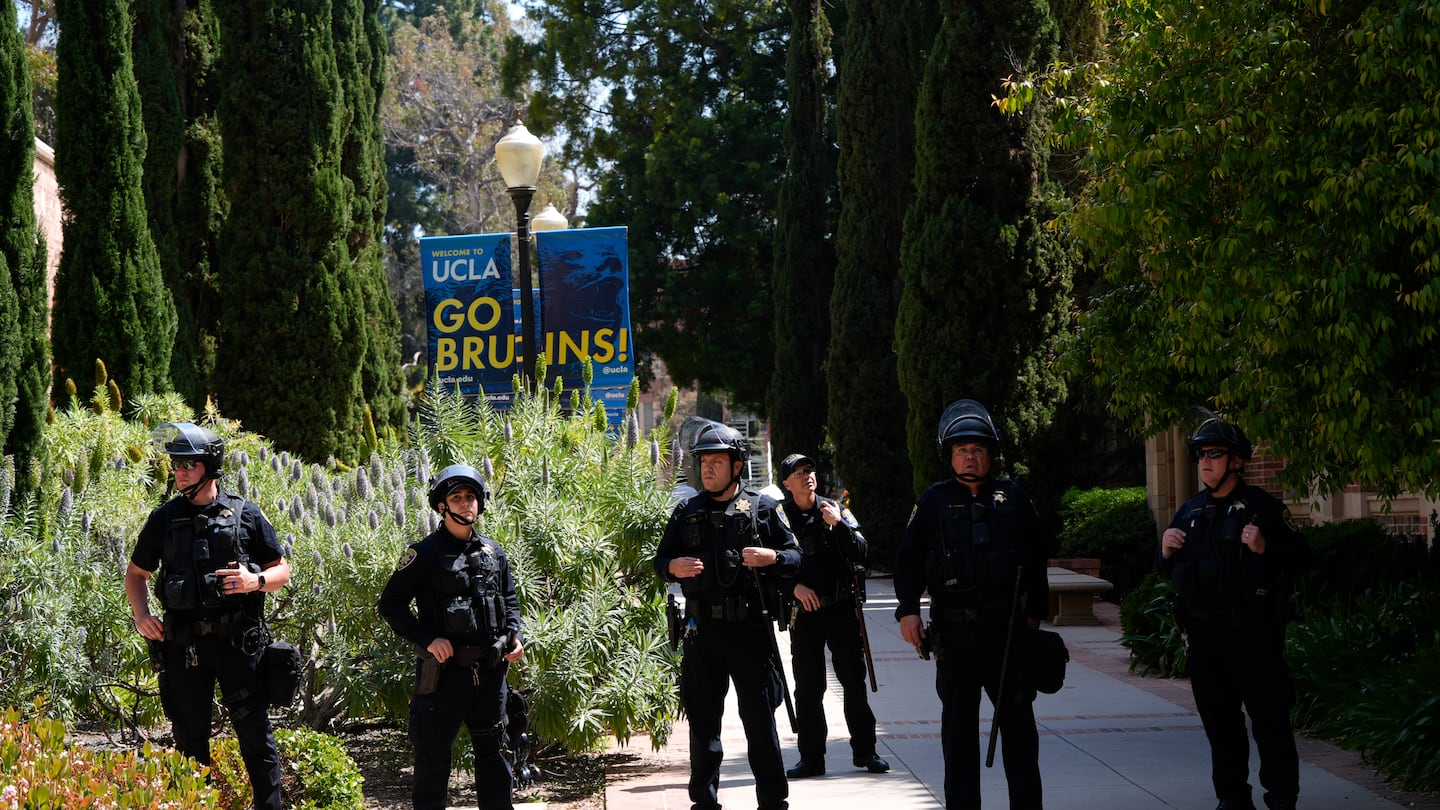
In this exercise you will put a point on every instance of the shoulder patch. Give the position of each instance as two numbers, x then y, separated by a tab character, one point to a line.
849	518
784	518
406	558
913	510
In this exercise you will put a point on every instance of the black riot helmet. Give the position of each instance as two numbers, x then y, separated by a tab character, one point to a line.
717	438
454	477
187	440
1216	432
966	420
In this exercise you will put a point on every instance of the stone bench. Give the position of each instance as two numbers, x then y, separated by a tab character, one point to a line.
1072	596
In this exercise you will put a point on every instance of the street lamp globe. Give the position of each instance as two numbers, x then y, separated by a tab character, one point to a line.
519	154
549	220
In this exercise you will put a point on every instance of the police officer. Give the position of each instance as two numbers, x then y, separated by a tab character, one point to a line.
826	594
1231	551
217	556
466	635
972	542
715	545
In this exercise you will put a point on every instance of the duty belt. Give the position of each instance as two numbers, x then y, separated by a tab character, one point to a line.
225	625
963	615
732	609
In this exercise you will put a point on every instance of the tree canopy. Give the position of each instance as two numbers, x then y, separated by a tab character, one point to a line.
875	127
804	255
111	303
675	111
1266	209
986	286
24	313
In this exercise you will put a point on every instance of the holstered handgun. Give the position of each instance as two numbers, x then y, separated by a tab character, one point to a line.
427	678
674	621
495	653
931	645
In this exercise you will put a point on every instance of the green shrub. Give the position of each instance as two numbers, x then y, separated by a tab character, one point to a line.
316	773
578	508
1149	629
1352	556
1113	525
44	772
1396	722
1364	667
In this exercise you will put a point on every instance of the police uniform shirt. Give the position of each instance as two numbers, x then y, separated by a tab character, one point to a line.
1214	568
829	552
770	523
255	533
981	568
421	569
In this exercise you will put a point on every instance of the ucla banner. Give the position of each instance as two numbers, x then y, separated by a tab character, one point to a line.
582	309
585	308
472	313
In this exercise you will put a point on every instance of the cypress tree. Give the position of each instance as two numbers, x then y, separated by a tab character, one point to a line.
804	258
985	286
360	51
24	309
876	131
175	50
111	303
292	330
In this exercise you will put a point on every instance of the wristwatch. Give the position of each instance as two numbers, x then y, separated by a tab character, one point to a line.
262	583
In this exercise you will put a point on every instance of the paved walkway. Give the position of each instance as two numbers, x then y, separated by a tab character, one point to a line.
1107	740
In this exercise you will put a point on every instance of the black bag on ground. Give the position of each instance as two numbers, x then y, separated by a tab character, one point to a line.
1048	658
283	668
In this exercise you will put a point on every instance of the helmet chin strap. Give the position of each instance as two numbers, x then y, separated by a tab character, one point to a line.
721	491
970	478
194	489
445	510
1226	477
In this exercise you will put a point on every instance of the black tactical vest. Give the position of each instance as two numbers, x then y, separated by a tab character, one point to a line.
717	537
466	602
979	550
196	546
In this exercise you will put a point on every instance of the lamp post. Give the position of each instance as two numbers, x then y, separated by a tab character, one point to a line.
519	154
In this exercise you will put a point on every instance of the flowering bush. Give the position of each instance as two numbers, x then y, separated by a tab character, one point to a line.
39	770
578	506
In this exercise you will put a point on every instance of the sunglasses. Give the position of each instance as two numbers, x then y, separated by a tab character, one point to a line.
1214	452
185	463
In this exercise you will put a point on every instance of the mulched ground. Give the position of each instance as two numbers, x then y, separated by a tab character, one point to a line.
383	756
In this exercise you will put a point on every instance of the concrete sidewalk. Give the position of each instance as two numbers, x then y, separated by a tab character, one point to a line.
1107	740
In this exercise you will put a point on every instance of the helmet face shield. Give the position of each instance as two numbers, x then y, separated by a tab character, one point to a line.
966	420
718	438
452	478
1216	432
190	441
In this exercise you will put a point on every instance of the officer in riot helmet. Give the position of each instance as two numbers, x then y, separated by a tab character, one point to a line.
1231	551
466	632
217	557
829	590
730	549
975	544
